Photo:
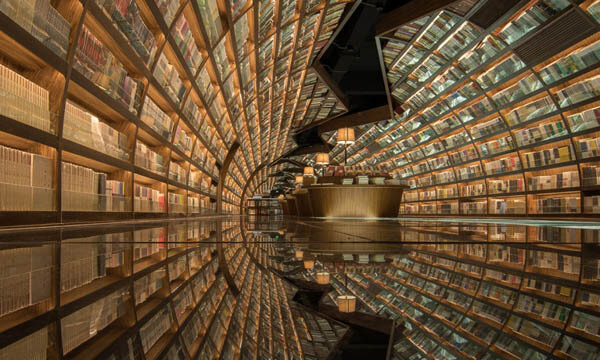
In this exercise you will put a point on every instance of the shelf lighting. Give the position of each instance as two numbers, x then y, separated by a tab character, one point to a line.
299	254
309	171
309	264
299	179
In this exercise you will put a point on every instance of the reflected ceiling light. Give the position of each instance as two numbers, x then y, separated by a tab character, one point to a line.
309	264
322	278
345	136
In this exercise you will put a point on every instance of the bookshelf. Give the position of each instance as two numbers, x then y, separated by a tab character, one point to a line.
473	114
89	82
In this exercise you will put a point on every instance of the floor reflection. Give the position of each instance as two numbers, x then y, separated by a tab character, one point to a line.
239	288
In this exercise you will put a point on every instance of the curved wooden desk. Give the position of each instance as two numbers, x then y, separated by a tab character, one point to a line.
356	200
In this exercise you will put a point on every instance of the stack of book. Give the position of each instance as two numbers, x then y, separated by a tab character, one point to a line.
579	92
168	77
506	186
182	34
584	120
566	179
507	206
182	140
362	180
177	173
497	146
95	62
591	175
556	205
148	159
209	11
25	273
24	101
84	323
572	63
503	165
530	111
525	86
176	202
41	20
27	181
470	172
588	147
148	199
84	128
548	156
541	132
157	119
168	9
473	190
152	330
487	128
83	189
126	15
146	286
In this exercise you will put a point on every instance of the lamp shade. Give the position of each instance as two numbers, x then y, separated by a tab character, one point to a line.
299	179
309	170
346	303
345	136
322	159
322	278
309	264
299	254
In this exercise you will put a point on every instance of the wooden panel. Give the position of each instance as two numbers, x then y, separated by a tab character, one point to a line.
291	201
303	203
565	31
491	11
356	201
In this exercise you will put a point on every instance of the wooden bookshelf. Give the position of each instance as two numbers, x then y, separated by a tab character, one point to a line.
469	105
213	107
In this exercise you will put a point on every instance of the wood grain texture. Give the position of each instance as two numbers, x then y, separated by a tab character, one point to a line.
291	201
303	203
356	200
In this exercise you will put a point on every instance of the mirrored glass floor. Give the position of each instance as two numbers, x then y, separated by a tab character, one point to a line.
274	288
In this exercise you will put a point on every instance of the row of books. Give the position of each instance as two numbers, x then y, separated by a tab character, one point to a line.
87	190
27	181
42	21
128	19
507	206
147	199
157	119
24	101
565	179
167	76
84	323
557	205
95	62
86	129
182	34
148	159
551	156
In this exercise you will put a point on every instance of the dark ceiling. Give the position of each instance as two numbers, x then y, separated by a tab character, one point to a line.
352	60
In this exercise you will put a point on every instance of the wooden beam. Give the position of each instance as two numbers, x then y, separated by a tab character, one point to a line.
407	13
377	114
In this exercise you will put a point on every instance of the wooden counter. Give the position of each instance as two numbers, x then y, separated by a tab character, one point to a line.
303	204
356	200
